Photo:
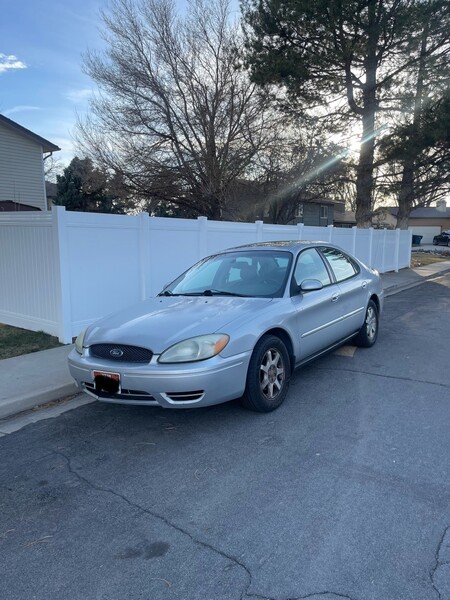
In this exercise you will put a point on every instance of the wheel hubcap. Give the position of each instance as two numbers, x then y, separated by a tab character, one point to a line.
371	323
271	374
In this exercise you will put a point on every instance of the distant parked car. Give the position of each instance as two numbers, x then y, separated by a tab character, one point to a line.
443	239
235	325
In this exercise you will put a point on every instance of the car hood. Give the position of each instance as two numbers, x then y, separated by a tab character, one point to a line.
160	322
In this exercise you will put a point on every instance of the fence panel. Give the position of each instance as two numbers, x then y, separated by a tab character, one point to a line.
28	272
102	254
364	245
172	245
62	271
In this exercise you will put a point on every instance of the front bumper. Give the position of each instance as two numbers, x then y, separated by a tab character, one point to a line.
185	385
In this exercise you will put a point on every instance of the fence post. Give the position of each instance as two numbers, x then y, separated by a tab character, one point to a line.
259	231
355	231
300	231
202	236
59	227
383	253
371	258
397	249
410	246
144	243
331	231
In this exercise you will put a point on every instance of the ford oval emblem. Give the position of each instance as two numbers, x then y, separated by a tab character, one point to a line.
116	352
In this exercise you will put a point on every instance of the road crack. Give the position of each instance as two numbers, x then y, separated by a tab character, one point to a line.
440	558
313	596
161	518
383	376
233	559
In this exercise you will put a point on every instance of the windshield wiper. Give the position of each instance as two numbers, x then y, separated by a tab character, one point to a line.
205	293
222	293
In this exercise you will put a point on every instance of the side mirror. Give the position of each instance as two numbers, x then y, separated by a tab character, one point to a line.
310	285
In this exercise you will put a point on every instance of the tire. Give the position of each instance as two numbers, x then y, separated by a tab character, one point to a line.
268	375
368	333
435	242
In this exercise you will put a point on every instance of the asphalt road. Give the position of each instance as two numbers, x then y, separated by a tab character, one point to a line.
344	492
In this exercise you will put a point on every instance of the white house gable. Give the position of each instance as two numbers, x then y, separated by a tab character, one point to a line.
22	166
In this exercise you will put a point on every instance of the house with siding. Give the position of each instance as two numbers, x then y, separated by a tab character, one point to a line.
319	213
22	154
428	221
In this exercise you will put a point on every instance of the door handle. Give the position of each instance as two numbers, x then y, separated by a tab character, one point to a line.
334	297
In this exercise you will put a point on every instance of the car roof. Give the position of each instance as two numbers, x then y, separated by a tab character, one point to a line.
292	245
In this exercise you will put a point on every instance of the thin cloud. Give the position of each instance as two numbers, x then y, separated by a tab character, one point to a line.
18	109
78	95
10	62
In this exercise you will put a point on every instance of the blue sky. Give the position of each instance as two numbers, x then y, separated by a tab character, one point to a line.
42	85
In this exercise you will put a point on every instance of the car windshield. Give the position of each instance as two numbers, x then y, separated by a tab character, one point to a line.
250	273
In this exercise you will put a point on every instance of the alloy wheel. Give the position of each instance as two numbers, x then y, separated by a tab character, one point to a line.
371	322
271	374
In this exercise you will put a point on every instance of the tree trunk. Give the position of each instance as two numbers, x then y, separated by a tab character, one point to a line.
406	195
364	171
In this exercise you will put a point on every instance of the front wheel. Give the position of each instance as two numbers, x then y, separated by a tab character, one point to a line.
268	375
368	333
435	242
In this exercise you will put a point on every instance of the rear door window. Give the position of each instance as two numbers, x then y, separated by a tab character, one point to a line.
342	265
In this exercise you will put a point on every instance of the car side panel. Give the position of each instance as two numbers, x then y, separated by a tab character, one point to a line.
351	305
318	320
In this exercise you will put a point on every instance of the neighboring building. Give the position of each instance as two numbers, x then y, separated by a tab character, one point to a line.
22	183
382	219
429	221
318	212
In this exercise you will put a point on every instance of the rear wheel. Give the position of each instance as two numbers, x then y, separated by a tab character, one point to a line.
368	333
268	375
435	242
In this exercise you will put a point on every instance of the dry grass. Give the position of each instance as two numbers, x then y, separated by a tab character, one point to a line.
421	259
15	341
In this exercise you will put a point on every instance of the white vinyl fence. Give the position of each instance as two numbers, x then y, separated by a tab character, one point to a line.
61	271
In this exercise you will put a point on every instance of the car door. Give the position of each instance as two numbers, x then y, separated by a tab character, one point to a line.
353	296
315	318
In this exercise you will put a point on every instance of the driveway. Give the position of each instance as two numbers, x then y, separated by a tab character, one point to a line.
344	492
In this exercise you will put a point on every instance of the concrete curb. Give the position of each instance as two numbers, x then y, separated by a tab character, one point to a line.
21	420
395	288
19	404
400	287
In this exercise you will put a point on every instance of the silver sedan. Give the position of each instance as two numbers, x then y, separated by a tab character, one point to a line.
235	325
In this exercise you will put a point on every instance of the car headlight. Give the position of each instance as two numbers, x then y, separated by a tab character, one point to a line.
79	342
196	348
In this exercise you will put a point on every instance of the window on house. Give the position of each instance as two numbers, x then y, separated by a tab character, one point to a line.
299	213
324	212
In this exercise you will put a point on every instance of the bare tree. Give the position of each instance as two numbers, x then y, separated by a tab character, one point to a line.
173	114
52	167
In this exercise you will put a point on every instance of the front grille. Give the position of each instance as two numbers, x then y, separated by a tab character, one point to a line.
121	353
123	395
